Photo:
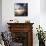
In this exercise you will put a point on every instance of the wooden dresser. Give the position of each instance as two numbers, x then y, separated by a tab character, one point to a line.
22	33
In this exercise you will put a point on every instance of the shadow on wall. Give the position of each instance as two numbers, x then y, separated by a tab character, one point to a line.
43	6
0	14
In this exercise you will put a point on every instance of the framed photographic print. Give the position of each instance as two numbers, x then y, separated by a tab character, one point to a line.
21	9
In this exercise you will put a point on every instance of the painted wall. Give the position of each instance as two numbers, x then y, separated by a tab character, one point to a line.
0	15
43	6
34	15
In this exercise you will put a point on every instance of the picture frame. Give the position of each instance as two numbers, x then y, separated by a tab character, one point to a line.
21	9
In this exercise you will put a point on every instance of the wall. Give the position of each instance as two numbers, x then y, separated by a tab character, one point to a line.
35	15
43	6
43	14
0	15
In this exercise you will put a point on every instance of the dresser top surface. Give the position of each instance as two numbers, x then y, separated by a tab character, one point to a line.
19	23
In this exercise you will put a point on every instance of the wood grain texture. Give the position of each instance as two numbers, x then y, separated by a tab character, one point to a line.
23	27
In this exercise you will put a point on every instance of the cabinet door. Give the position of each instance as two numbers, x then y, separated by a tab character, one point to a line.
24	38
20	37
